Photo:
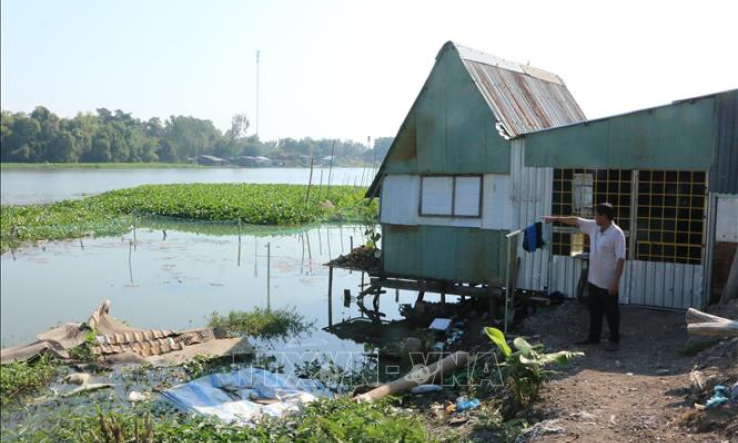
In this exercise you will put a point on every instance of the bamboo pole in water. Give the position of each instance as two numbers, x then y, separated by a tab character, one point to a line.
130	264
330	296
330	168
269	276
320	186
310	180
256	261
239	242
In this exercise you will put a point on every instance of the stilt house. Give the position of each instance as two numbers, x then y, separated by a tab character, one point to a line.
490	146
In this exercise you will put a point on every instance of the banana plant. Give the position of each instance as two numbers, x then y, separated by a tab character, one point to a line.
523	369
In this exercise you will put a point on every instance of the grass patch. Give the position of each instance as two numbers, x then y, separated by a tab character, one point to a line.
321	421
112	213
262	323
19	378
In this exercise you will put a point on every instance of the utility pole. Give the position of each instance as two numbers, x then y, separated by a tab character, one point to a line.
258	52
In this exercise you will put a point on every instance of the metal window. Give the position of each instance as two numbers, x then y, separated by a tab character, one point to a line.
671	207
577	191
666	208
451	196
437	196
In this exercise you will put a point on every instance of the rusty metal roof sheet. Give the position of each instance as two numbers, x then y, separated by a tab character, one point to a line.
522	97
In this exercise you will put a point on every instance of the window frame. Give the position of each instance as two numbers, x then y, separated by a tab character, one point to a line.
453	178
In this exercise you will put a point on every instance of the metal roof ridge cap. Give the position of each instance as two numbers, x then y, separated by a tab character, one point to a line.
475	55
478	56
587	122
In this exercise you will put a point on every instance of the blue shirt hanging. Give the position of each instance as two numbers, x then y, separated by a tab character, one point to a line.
533	237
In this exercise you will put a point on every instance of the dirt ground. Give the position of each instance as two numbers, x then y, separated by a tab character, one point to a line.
639	393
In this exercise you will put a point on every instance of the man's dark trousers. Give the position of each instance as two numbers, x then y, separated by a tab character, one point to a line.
601	303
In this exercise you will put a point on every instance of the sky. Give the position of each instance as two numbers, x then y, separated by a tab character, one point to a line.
347	69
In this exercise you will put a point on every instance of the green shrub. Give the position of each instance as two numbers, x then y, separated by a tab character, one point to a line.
262	323
19	378
319	422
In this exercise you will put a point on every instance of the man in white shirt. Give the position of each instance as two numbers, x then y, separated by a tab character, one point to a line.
606	262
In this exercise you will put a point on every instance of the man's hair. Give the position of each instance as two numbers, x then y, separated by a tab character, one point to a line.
605	209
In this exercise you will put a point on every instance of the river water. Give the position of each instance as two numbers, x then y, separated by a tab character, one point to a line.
175	274
31	186
175	281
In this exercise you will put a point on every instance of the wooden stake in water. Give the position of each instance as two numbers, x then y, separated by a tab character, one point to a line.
239	242
302	260
330	296
269	276
130	264
330	168
134	234
256	267
340	235
310	180
310	252
320	186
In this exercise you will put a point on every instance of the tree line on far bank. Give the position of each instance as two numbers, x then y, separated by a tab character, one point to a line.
106	136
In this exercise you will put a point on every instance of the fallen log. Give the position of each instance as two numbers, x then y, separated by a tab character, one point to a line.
728	329
701	323
695	316
418	376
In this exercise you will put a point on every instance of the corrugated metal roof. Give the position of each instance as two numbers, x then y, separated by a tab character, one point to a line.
522	97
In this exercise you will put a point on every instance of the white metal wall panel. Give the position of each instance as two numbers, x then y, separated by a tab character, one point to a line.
497	207
726	222
667	285
450	221
565	272
437	198
531	195
466	196
400	200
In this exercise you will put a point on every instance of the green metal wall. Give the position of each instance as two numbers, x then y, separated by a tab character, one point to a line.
450	128
671	137
469	255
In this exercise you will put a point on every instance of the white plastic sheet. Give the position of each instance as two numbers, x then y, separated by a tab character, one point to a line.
230	396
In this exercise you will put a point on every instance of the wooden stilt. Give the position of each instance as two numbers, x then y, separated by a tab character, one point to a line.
330	296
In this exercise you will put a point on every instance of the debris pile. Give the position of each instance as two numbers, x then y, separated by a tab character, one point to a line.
112	342
362	258
714	390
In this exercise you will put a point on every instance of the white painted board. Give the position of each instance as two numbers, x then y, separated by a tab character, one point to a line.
399	199
467	194
437	197
726	225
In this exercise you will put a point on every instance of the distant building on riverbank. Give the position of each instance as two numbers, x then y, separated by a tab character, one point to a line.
210	160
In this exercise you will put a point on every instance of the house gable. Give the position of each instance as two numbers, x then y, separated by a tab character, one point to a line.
450	129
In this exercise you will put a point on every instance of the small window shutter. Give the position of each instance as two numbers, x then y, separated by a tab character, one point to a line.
436	198
467	198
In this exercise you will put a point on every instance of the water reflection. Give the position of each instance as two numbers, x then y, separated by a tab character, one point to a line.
173	275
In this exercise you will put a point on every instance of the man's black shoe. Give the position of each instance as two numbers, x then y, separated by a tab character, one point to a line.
587	342
612	346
